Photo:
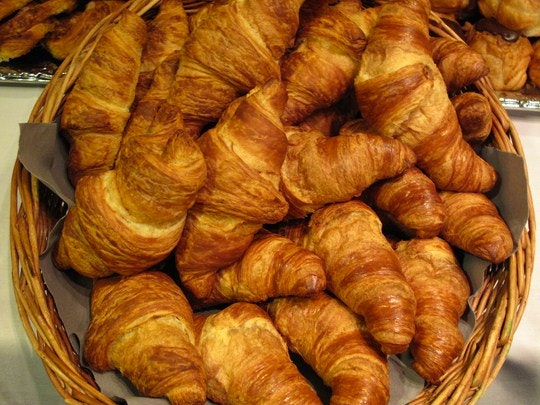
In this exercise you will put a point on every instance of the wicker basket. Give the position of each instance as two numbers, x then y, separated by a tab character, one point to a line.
498	306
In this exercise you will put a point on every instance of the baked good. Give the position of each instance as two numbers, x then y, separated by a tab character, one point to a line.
142	326
244	153
474	225
272	266
458	63
441	289
362	270
129	219
334	342
401	94
97	108
474	116
323	64
507	54
69	30
20	44
33	14
518	15
167	32
319	169
233	47
410	201
8	7
247	360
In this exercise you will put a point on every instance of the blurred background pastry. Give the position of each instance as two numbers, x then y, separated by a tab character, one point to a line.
507	53
518	15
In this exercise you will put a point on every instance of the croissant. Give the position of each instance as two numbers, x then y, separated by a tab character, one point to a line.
322	66
412	202
128	219
33	14
459	64
333	341
233	47
20	44
474	225
362	269
167	33
244	153
142	326
319	170
401	94
158	90
246	359
70	30
272	266
474	116
97	109
441	290
508	61
517	15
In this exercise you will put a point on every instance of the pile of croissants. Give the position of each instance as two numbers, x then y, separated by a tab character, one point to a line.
262	179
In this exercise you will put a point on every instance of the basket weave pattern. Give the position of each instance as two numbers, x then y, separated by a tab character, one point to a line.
498	306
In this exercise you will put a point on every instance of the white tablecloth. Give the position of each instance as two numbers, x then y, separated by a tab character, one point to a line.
24	381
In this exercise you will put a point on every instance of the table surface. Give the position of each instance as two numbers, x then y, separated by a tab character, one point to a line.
24	381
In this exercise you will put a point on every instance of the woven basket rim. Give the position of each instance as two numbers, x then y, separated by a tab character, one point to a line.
499	305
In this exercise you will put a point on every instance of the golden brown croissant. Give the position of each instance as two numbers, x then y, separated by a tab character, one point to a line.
97	108
333	341
33	14
70	30
458	63
474	225
167	32
130	218
246	359
412	202
319	170
233	47
401	94
244	153
322	66
20	44
143	327
272	266
362	270
474	116
442	290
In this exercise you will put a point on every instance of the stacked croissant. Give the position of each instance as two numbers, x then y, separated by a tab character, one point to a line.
262	179
506	33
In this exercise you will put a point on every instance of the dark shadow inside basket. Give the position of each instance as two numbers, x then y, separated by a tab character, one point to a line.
41	152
